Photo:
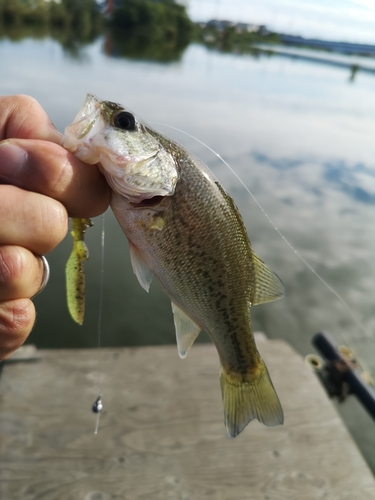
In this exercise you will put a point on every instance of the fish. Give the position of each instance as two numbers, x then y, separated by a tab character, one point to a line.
186	231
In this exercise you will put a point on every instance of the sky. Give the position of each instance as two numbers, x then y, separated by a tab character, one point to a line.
340	20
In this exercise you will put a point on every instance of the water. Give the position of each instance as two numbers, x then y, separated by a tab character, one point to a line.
300	135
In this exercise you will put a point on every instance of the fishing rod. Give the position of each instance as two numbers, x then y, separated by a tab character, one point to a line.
340	373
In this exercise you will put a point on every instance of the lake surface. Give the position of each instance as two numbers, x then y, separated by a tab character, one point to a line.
299	133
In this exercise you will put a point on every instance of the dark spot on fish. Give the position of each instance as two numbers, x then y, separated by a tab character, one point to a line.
219	308
241	360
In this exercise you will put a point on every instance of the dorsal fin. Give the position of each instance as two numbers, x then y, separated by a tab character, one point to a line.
186	330
268	286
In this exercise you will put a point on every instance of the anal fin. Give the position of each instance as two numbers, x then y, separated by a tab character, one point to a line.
186	330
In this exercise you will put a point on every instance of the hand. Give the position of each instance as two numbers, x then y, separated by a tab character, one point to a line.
41	184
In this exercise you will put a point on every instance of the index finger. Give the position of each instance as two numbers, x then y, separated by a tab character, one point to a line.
33	160
22	117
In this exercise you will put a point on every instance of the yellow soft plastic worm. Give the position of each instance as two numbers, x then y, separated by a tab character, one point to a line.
74	271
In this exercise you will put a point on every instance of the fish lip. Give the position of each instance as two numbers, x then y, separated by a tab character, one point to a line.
81	127
90	112
152	202
94	108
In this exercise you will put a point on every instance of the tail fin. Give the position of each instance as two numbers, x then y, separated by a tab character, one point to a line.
244	400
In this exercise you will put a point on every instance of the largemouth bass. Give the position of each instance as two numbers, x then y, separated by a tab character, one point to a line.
184	229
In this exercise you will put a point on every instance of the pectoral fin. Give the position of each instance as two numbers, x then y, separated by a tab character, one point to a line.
140	269
268	286
186	331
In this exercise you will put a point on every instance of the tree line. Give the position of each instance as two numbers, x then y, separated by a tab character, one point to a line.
144	29
80	14
152	17
160	27
71	22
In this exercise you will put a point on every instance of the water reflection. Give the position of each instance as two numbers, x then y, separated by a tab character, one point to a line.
139	45
72	40
355	181
277	163
352	63
72	24
135	44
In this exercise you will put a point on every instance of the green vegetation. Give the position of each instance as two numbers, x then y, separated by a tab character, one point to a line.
71	22
79	15
148	29
158	30
163	18
140	46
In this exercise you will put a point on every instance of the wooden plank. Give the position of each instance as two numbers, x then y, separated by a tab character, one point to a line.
161	433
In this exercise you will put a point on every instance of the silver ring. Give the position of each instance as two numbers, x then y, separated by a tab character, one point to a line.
46	274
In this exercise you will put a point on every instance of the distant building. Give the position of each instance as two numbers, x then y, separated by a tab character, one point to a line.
221	25
262	30
246	28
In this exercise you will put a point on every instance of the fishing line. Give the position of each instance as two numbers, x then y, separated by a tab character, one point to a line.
98	405
286	241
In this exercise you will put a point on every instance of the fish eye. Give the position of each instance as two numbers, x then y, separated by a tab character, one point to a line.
124	121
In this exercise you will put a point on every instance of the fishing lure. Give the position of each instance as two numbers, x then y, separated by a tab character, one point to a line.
74	271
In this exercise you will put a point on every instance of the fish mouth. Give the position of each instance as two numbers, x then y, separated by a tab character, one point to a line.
87	123
87	116
148	202
94	113
93	117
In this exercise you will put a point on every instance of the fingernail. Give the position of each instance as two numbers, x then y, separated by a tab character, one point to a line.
12	160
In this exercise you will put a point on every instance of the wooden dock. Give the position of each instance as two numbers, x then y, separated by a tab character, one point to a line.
161	433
